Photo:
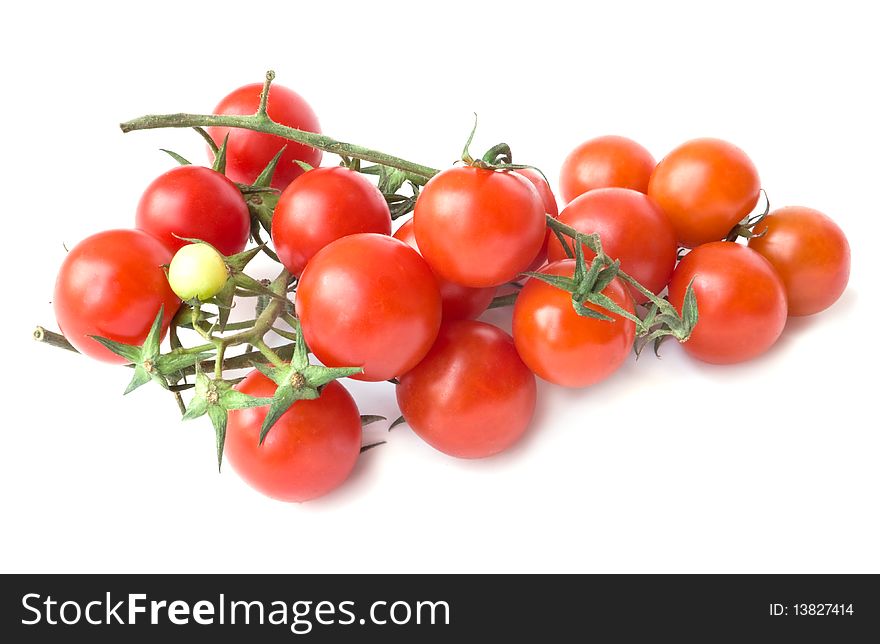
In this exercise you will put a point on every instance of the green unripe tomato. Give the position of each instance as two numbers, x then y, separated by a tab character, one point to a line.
197	270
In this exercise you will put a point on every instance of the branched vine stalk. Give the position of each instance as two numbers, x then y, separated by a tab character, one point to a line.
260	122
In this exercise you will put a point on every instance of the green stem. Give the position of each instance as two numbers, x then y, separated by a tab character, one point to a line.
260	122
218	360
261	346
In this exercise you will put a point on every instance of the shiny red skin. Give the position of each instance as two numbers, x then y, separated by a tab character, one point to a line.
563	347
741	302
322	206
479	227
810	253
705	187
249	152
471	396
193	202
308	452
550	208
632	228
369	301
605	162
459	302
112	285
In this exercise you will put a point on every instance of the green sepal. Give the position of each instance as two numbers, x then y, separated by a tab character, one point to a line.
176	157
219	417
600	299
400	420
498	154
283	399
390	179
465	153
127	351
587	312
150	349
559	281
564	242
239	261
366	448
232	398
249	283
369	419
212	144
139	378
264	179
307	166
197	407
219	164
318	376
606	276
177	361
268	370
689	310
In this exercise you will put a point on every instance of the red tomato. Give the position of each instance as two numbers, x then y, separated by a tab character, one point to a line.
471	396
249	152
309	451
632	228
810	253
459	302
112	284
195	203
320	207
550	208
741	302
369	301
479	227
705	187
605	162
563	347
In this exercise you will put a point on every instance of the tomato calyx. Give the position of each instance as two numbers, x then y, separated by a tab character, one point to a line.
217	398
661	318
586	285
298	380
746	227
147	361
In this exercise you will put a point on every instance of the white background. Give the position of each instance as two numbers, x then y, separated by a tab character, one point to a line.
671	465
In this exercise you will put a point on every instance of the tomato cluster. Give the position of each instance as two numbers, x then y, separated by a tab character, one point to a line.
642	250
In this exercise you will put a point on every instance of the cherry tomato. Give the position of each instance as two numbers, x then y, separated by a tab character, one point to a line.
563	347
632	229
550	208
112	284
810	253
605	162
249	152
459	302
195	203
479	227
321	206
705	187
309	451
369	301
471	396
197	270
741	302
